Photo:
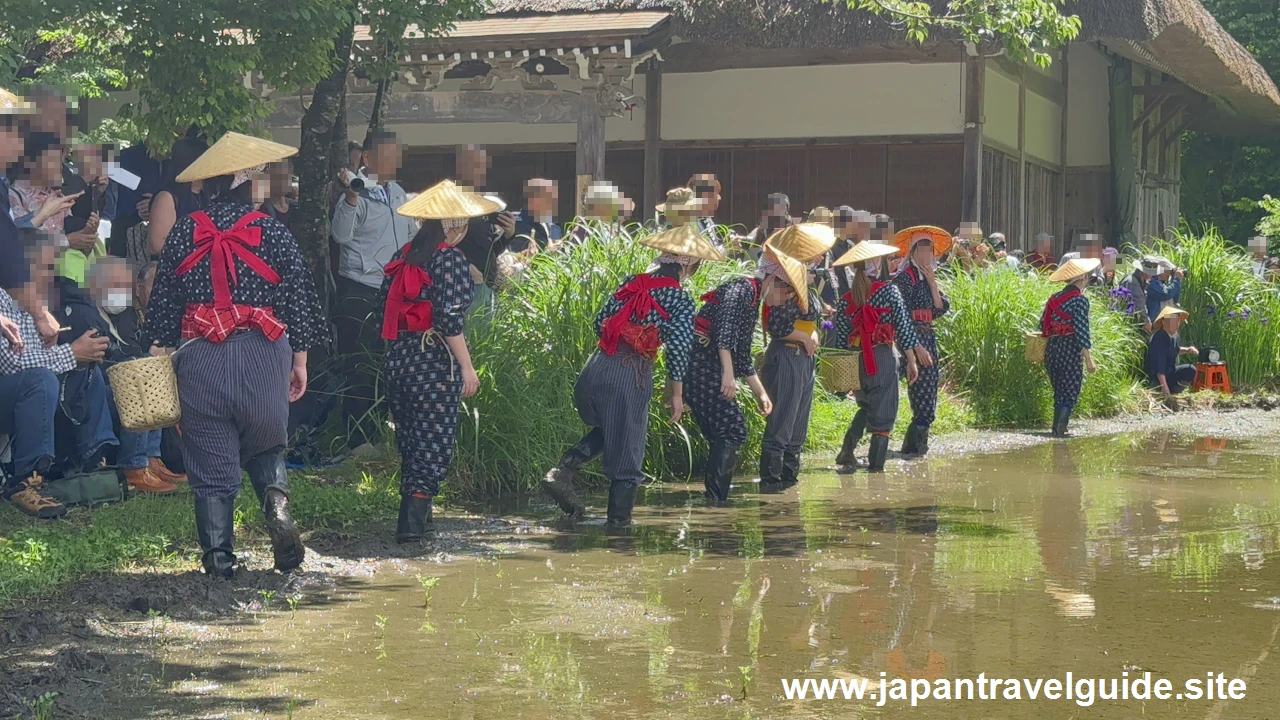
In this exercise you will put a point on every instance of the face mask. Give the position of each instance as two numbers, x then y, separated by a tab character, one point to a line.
117	302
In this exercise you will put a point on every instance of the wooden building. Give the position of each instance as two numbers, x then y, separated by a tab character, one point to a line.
829	106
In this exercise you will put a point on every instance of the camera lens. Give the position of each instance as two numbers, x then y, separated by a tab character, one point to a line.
357	183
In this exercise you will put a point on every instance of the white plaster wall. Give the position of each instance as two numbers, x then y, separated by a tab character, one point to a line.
1088	132
818	101
1043	129
1000	108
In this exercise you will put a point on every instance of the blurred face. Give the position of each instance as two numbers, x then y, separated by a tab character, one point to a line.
51	116
280	176
473	167
541	202
923	254
1043	244
10	146
707	192
89	162
383	161
47	169
261	187
112	289
42	259
1258	246
1172	323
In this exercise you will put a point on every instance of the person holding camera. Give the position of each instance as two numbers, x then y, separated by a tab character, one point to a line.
369	232
1165	288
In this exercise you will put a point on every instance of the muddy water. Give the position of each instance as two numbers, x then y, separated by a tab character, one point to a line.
1097	557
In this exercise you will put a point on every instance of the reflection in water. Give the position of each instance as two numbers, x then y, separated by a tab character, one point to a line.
1095	556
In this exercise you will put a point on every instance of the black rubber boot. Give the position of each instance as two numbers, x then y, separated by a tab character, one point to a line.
790	468
720	468
622	498
878	452
215	526
845	460
771	473
558	483
1061	417
270	481
910	444
415	519
922	442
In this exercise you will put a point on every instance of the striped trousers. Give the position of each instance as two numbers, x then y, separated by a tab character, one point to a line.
613	394
788	377
235	406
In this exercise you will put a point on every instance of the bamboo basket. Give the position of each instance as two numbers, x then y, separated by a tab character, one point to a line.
146	393
838	371
1035	347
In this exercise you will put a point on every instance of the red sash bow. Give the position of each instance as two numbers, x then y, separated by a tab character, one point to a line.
223	245
216	324
637	303
868	328
1055	320
404	309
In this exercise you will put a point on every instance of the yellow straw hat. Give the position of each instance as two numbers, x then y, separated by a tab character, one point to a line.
1074	269
907	238
866	250
1169	312
797	278
681	199
11	104
684	240
446	201
821	215
232	153
804	242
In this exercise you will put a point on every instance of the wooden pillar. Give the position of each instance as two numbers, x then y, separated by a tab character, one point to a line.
1061	215
1022	160
652	136
971	185
590	150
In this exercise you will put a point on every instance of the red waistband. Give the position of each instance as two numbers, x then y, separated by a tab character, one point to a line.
1055	329
924	315
216	324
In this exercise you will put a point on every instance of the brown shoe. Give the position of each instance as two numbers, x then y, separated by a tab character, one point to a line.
29	497
158	468
141	480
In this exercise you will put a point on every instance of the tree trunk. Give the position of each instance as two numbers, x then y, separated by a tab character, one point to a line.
377	118
318	161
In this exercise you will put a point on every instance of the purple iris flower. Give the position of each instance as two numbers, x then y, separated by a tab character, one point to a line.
1231	316
1129	308
828	325
1263	320
1244	314
1210	310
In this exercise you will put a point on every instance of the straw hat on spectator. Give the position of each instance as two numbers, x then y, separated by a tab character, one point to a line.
1074	269
907	238
446	201
235	153
11	104
805	241
683	241
680	200
821	215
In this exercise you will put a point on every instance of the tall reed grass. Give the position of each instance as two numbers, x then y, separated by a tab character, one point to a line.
982	343
1230	308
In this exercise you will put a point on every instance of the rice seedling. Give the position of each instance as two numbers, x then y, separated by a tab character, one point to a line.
428	584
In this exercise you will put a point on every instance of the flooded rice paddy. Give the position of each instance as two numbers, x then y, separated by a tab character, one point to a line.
1100	557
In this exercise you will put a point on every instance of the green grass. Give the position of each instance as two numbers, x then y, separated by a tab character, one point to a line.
37	557
1230	308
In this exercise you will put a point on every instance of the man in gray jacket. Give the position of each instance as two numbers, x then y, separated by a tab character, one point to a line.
368	232
1136	283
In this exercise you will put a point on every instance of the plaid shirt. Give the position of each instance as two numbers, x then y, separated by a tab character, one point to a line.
58	358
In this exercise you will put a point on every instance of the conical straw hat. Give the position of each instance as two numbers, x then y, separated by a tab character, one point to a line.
805	241
446	201
797	277
11	104
906	238
1170	311
232	153
1074	269
866	250
684	240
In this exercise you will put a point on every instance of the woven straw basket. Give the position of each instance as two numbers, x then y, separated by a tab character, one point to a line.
146	393
838	371
1035	347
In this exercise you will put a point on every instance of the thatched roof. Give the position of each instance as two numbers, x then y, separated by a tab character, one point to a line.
1178	37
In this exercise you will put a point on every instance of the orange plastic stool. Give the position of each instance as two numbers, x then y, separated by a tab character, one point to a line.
1212	376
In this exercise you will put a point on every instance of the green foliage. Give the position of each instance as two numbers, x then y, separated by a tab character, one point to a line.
983	341
1027	29
1230	308
1269	225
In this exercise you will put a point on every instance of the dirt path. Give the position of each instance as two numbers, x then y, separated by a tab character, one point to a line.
100	645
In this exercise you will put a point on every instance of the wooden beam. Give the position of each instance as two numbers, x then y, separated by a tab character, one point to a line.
971	184
530	107
1167	89
1168	115
591	147
652	134
1150	105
